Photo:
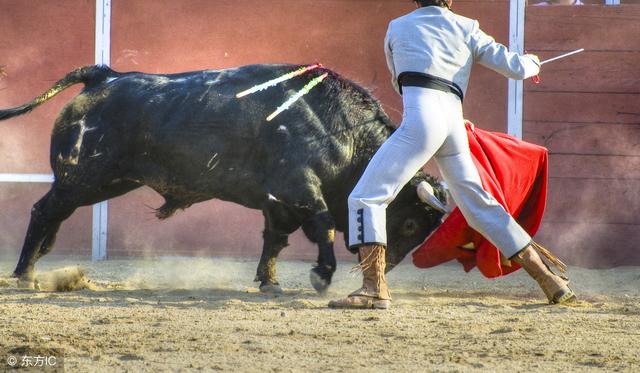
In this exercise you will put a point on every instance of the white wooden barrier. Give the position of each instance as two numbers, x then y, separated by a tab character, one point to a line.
515	91
103	57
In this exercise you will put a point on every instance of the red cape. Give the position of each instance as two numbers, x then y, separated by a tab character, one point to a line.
515	173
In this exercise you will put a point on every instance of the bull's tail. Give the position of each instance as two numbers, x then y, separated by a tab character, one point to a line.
89	75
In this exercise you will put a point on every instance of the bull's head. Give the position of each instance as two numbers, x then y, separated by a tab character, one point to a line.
413	215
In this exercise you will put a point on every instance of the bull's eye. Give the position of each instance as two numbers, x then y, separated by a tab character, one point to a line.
409	227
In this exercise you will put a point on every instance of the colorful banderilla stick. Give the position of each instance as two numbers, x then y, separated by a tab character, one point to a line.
273	82
306	89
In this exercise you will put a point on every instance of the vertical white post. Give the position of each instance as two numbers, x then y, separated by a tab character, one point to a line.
103	57
516	44
103	32
99	236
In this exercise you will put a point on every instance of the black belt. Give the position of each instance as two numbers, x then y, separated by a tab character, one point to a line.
414	79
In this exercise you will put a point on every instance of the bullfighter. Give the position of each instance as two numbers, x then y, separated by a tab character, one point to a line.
430	52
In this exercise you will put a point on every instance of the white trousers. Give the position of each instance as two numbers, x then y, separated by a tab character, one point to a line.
432	126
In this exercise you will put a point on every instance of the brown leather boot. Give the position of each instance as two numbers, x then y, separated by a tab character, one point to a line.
374	292
554	287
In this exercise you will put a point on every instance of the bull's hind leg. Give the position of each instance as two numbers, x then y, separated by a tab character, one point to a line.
266	274
279	222
48	214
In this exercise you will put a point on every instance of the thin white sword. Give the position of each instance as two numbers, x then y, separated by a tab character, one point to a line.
562	56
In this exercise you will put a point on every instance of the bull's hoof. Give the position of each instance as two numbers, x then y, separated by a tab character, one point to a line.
320	281
28	283
26	280
270	288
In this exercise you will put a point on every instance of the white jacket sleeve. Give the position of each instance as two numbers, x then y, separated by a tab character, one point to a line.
487	52
388	52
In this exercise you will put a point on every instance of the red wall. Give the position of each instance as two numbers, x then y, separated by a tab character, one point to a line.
41	42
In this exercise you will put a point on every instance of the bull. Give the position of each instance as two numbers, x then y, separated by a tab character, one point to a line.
190	139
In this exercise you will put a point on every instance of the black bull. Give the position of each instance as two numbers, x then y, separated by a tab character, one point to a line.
189	138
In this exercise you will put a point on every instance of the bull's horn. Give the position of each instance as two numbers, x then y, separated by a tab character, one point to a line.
427	195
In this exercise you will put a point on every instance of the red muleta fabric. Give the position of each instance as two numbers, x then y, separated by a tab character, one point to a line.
515	173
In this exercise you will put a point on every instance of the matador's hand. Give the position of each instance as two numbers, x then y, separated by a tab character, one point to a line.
535	58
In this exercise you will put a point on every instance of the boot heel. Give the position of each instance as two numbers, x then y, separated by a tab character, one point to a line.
554	287
382	304
564	296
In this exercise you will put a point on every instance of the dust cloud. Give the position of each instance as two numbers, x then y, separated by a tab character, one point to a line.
64	279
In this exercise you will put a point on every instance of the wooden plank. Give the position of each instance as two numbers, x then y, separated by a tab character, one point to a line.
596	28
582	107
592	245
585	2
597	201
580	166
588	138
589	150
590	71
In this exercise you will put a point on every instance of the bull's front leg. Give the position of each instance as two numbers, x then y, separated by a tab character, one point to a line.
322	227
266	274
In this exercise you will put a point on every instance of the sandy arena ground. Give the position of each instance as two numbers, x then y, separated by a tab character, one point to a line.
186	314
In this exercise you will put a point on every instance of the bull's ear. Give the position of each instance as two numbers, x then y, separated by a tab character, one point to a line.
427	195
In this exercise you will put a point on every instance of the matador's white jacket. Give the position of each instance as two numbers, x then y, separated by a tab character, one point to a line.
436	41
